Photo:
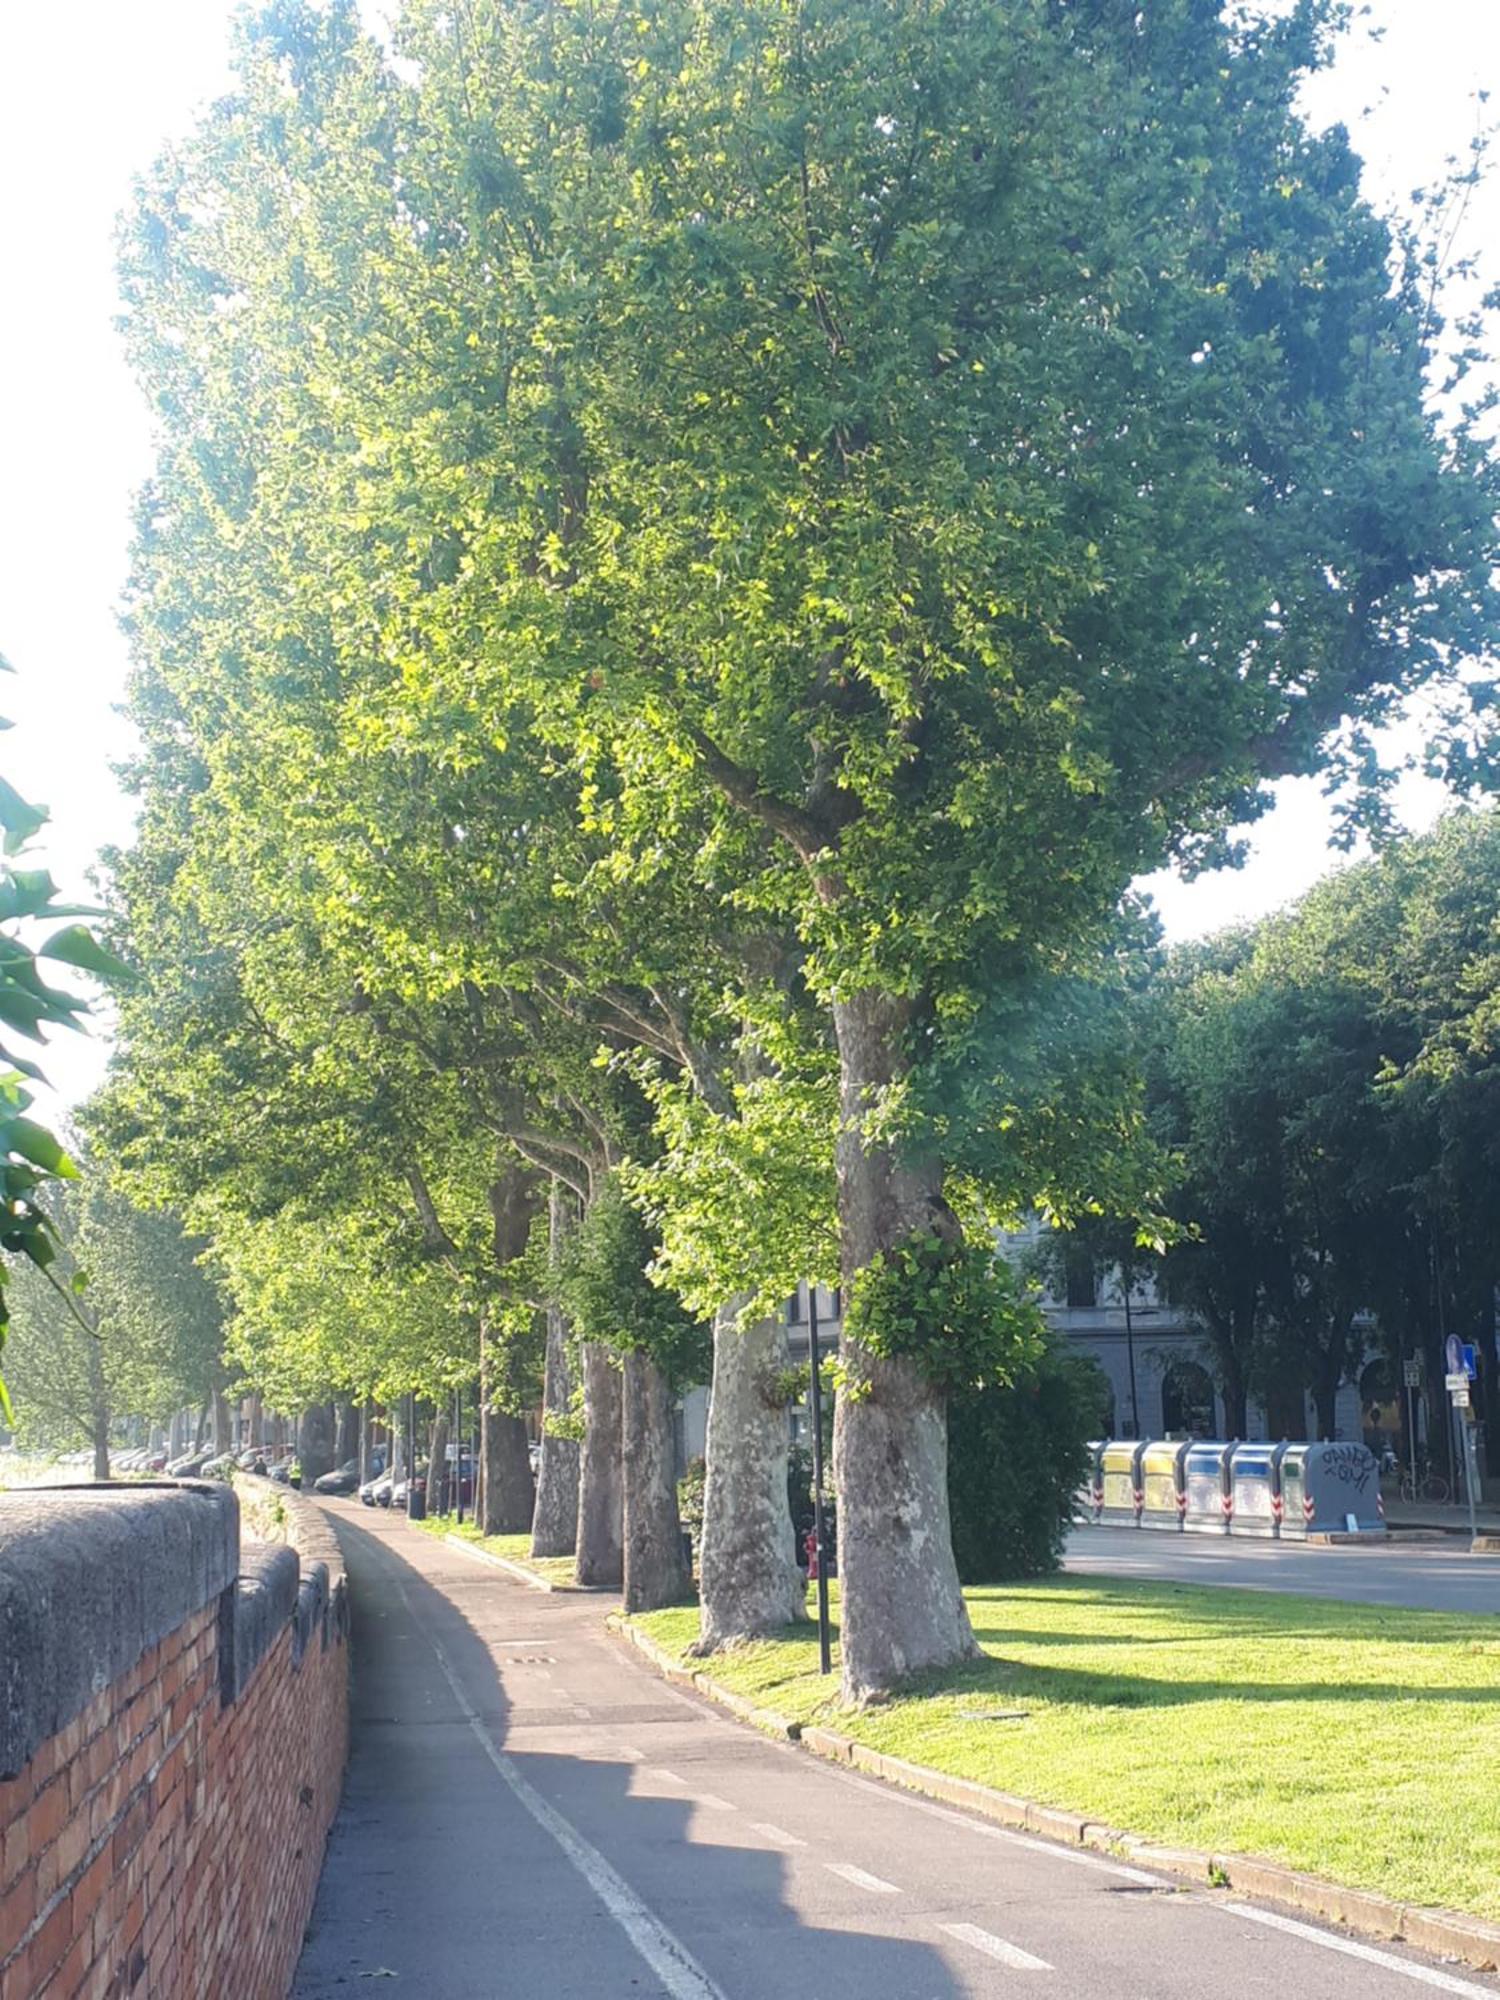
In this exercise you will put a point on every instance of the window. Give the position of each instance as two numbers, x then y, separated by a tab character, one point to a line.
1081	1283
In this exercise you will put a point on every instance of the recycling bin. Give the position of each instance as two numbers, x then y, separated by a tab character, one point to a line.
1121	1467
1255	1489
1330	1489
1210	1500
1163	1485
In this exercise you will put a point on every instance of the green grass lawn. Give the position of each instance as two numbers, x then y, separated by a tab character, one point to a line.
1354	1741
515	1548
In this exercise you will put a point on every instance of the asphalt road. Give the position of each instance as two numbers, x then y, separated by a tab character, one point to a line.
529	1811
1427	1576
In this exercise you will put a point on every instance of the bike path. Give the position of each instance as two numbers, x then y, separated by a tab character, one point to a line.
529	1810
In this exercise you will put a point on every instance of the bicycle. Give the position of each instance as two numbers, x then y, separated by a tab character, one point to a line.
1428	1485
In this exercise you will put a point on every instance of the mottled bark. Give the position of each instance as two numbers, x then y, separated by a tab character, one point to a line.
437	1465
601	1540
315	1443
346	1444
902	1608
554	1528
507	1492
256	1421
655	1570
748	1581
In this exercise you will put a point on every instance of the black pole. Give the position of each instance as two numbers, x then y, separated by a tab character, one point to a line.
820	1535
1135	1407
458	1447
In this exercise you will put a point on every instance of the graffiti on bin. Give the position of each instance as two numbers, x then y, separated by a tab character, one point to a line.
1350	1464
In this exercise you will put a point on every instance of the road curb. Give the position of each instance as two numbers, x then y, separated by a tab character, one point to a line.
1448	1934
518	1570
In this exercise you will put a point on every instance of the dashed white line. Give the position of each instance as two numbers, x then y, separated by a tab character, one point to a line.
674	1965
663	1777
996	1947
714	1802
1426	1975
778	1833
861	1878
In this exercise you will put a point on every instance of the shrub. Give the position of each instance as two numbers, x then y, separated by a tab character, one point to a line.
1015	1459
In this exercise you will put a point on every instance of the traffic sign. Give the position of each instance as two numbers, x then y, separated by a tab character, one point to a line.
1458	1389
1453	1353
1470	1362
1411	1372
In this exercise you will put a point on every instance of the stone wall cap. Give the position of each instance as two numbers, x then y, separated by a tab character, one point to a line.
91	1577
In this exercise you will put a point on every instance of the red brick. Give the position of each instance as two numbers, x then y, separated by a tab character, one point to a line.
17	1908
49	1815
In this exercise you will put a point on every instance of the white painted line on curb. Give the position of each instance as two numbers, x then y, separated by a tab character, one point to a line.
674	1965
774	1832
1425	1975
996	1947
861	1879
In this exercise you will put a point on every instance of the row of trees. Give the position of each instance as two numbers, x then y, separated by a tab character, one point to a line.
696	552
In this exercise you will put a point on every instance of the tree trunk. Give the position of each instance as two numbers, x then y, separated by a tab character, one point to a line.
222	1439
506	1493
1236	1405
748	1580
347	1443
315	1443
203	1419
437	1464
554	1528
655	1570
601	1535
902	1608
257	1436
99	1398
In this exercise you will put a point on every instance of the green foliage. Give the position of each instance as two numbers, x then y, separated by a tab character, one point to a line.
1015	1459
603	1280
955	1309
31	1158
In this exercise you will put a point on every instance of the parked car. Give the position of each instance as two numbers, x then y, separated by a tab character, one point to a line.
343	1479
189	1467
377	1492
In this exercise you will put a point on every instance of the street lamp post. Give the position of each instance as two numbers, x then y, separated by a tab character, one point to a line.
820	1535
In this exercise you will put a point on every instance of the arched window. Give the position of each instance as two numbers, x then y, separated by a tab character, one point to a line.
1187	1401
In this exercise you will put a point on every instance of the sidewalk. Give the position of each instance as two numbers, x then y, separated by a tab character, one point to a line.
1446	1519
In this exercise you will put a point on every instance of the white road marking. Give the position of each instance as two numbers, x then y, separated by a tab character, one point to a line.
1054	1848
1425	1975
773	1832
581	1712
996	1947
861	1879
682	1977
663	1777
714	1802
630	1755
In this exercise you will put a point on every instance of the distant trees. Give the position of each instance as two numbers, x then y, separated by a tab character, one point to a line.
1330	1083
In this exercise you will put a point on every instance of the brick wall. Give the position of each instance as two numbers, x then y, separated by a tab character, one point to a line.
165	1840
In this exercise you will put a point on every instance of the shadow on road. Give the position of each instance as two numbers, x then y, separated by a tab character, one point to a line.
439	1878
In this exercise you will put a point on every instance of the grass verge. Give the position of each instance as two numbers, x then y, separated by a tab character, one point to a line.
1354	1741
514	1548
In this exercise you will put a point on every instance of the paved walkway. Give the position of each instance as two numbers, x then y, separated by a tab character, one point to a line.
530	1812
1427	1576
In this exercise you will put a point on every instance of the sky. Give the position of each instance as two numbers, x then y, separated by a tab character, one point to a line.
88	96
